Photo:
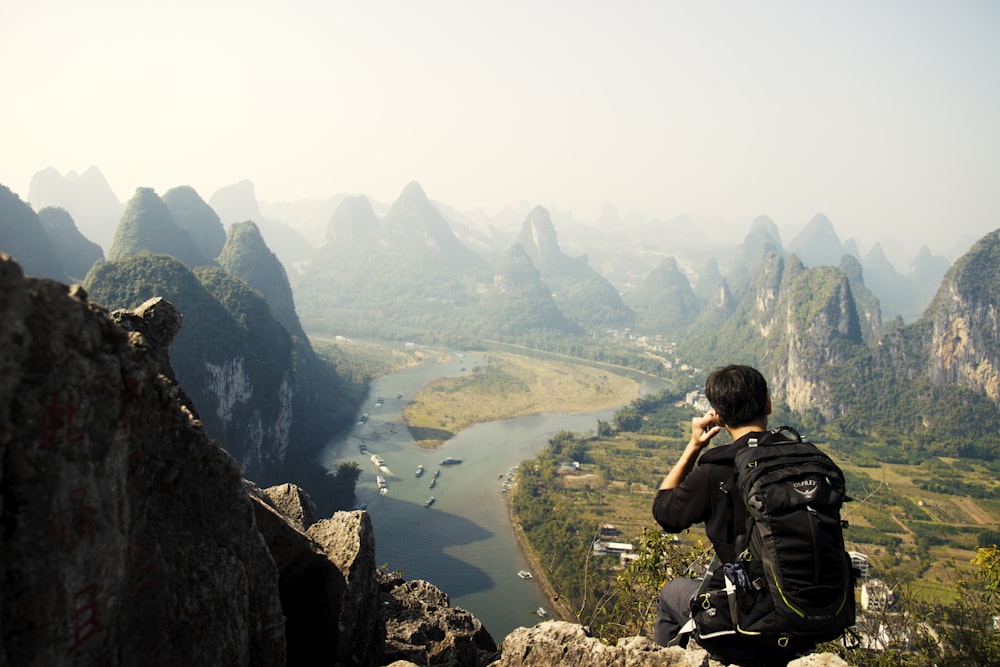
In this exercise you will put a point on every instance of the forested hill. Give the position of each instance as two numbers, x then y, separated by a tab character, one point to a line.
932	383
580	292
241	354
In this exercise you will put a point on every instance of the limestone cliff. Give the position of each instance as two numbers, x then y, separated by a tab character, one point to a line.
233	358
798	325
964	321
816	327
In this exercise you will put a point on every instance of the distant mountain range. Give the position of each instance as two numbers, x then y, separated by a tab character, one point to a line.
810	315
621	249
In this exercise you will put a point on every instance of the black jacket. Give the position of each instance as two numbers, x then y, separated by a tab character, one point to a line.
702	498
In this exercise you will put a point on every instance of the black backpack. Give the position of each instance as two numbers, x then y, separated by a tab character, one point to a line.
793	582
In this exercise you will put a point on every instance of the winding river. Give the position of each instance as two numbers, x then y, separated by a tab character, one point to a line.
463	543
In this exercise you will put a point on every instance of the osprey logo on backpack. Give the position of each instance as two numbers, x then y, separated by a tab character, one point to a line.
807	488
793	582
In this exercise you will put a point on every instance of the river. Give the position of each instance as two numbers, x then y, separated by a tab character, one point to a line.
464	543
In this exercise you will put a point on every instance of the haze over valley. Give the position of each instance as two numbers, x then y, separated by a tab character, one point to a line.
401	221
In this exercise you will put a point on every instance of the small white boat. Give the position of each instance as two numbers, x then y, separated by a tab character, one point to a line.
448	460
420	470
541	612
380	480
377	460
430	501
524	574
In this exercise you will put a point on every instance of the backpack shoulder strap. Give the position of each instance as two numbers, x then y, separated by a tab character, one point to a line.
781	434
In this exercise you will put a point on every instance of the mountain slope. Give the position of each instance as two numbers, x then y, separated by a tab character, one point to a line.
23	237
519	304
148	226
87	197
964	320
869	310
581	293
665	302
818	244
75	253
233	360
197	218
238	203
405	277
322	401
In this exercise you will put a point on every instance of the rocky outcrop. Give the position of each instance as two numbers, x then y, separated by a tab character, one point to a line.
422	627
558	643
128	533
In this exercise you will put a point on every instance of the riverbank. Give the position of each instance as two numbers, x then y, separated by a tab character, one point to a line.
557	607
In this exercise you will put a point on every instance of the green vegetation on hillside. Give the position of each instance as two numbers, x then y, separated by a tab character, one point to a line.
918	540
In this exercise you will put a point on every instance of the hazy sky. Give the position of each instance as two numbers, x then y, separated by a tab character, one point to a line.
884	115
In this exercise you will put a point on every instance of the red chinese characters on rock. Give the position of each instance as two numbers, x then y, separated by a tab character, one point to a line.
86	620
63	419
75	519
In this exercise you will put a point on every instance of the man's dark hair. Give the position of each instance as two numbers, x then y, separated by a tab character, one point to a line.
738	394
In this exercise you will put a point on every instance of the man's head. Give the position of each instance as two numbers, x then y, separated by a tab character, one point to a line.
738	394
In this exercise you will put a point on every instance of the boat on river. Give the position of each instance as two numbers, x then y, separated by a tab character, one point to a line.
448	460
377	460
420	470
524	574
432	484
437	473
541	612
429	502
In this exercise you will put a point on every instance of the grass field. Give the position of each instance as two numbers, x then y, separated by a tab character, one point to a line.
507	385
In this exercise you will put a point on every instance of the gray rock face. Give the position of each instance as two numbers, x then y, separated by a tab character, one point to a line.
294	503
348	540
965	322
559	643
423	627
127	531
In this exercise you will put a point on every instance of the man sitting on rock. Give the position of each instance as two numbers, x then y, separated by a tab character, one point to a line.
693	494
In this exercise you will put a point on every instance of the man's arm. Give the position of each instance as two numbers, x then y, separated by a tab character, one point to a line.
703	429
